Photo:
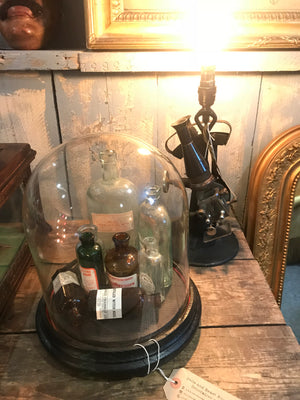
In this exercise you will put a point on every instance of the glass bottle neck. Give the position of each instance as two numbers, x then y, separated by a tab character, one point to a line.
109	171
153	194
108	159
87	234
151	247
87	239
121	239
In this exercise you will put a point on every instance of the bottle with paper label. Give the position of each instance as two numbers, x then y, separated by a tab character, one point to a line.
117	303
89	256
121	262
68	298
151	267
112	202
154	221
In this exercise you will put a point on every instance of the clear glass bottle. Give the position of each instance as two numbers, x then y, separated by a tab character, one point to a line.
151	267
154	221
121	262
112	202
89	256
44	203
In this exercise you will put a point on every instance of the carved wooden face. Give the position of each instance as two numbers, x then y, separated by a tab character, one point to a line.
24	23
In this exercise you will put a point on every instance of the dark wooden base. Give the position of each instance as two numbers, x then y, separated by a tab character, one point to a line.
120	363
211	254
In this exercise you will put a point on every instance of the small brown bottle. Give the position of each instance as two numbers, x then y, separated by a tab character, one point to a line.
68	298
121	262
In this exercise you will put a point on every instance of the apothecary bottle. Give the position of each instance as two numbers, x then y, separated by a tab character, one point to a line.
154	221
121	262
117	303
90	259
112	202
151	267
68	298
58	187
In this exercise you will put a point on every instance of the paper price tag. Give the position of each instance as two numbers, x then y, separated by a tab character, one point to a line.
189	386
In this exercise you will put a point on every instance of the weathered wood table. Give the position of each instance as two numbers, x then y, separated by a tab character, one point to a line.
243	344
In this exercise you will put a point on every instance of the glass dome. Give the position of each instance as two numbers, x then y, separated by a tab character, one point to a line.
106	219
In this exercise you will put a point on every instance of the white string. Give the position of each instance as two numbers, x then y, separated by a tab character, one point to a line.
157	364
158	353
164	375
158	360
148	357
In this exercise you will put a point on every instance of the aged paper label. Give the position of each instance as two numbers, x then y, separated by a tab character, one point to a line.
64	278
124	281
121	222
89	278
109	303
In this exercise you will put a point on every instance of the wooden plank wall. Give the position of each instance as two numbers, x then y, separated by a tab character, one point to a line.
45	108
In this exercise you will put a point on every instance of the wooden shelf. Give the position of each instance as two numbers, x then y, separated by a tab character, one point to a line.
38	60
147	61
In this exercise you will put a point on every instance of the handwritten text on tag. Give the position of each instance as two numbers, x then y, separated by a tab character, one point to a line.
189	386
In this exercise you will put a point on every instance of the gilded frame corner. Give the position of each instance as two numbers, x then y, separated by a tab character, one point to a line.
270	204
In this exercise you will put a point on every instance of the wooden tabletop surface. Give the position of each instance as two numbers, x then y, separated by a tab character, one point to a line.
243	344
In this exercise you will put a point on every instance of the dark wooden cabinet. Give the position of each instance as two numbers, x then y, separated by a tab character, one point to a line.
15	159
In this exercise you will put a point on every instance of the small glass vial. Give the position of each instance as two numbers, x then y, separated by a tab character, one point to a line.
151	267
155	222
121	262
112	202
89	256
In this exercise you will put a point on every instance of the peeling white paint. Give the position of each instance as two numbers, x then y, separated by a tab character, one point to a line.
22	119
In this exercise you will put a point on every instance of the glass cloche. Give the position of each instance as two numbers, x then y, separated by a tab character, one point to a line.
106	219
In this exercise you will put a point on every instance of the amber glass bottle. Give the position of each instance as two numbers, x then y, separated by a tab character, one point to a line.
121	262
69	299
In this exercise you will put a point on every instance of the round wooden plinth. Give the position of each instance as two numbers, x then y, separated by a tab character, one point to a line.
120	363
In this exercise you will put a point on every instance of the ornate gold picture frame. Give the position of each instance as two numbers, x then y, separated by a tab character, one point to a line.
270	203
161	24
